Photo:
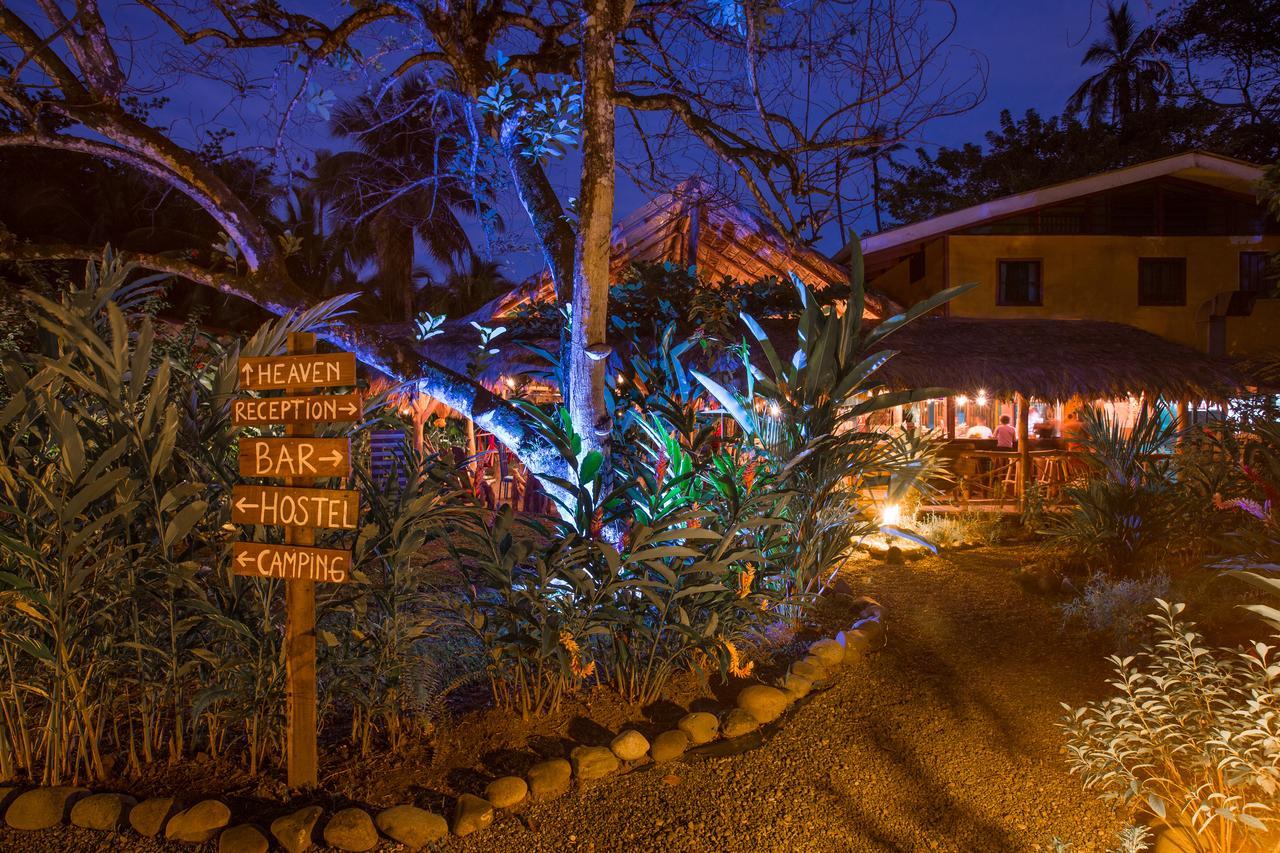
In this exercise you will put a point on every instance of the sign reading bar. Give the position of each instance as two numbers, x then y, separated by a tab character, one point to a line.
336	508
291	562
295	457
317	408
297	371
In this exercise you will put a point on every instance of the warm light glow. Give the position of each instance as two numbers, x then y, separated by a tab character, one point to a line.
890	515
982	397
621	379
774	410
961	400
511	383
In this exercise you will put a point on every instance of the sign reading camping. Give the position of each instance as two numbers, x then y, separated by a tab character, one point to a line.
263	560
300	507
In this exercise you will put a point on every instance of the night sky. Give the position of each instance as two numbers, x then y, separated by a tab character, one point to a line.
1032	51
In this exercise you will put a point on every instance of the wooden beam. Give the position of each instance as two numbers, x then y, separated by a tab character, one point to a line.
300	630
1024	450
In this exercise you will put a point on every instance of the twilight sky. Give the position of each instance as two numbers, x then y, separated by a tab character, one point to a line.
1032	49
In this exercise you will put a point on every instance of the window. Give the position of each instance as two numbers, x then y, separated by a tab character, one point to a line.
1162	281
917	266
1253	273
1019	283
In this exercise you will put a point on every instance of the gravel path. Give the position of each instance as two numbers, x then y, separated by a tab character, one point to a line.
946	740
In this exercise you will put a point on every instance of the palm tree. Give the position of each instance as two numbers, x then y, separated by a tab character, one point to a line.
395	186
1133	77
468	288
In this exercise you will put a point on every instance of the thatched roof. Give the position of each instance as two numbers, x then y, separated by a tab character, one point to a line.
1052	360
697	225
1048	359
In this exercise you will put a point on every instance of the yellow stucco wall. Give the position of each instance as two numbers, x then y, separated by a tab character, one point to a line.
1096	277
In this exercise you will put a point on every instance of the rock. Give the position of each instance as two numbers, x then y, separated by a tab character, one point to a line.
198	824
242	839
738	722
104	812
630	745
763	702
411	826
351	829
859	640
593	762
7	796
293	831
796	686
700	726
506	792
830	652
893	555
548	779
669	746
148	817
852	654
473	813
808	669
41	808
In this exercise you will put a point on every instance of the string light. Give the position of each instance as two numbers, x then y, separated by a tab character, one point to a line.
982	397
961	400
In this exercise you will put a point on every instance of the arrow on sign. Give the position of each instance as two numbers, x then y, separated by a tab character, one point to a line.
334	458
242	505
243	559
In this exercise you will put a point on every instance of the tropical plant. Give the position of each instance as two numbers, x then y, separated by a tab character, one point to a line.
806	417
1126	507
399	183
1191	738
1133	76
1115	608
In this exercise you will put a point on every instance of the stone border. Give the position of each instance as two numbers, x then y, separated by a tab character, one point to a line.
353	829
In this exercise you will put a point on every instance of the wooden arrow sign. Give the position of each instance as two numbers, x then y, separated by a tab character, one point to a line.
315	408
295	457
297	371
335	508
291	562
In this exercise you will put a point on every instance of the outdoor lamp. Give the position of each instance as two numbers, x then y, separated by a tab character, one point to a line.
890	515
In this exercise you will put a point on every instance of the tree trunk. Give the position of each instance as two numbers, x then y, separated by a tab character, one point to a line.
590	299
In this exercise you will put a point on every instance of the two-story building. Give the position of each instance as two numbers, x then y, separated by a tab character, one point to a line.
1107	287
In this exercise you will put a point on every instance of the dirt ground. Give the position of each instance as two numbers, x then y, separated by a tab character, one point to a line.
946	740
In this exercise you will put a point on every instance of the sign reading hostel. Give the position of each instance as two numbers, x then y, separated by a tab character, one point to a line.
291	562
265	373
314	408
302	461
294	507
295	457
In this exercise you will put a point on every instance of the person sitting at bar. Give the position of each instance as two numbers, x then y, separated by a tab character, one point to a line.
1006	435
978	430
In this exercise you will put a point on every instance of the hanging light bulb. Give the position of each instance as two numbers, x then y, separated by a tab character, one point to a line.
961	400
982	397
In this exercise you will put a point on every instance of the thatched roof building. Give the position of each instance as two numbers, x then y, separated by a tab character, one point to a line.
1052	360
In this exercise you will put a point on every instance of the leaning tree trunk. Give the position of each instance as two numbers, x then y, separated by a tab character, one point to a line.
590	300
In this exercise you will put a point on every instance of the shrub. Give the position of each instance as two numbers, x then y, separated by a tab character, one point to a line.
1192	736
1115	608
956	528
1124	511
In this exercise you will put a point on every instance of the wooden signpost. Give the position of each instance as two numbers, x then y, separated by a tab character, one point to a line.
300	459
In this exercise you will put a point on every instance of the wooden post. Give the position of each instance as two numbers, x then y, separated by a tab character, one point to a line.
1024	449
300	629
1184	421
951	417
